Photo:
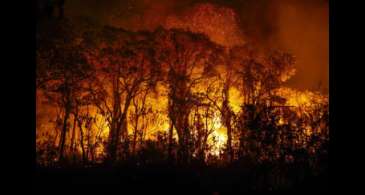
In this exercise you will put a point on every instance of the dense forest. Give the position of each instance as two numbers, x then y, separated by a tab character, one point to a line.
111	97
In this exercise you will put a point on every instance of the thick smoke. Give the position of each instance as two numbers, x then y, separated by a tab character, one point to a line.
300	27
303	30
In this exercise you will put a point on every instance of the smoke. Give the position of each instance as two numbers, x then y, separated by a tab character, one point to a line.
300	27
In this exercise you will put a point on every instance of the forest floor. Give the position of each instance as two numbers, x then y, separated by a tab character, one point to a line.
207	180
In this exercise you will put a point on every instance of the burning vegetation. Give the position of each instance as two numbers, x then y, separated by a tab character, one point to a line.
188	92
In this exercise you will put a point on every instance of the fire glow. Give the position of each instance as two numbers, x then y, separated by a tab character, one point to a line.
191	88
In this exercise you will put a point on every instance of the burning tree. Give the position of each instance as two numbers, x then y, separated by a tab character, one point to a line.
126	66
195	93
106	79
187	57
138	116
62	72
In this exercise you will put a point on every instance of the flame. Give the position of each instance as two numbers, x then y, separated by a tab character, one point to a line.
301	98
281	121
235	99
221	26
220	139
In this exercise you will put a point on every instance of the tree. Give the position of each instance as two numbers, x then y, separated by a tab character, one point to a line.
126	67
217	93
186	56
203	125
137	115
259	75
62	70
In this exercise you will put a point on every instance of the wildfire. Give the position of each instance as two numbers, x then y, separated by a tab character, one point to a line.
132	102
219	139
301	98
235	99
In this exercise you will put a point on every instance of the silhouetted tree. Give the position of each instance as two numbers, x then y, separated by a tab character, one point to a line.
126	67
186	56
139	112
62	71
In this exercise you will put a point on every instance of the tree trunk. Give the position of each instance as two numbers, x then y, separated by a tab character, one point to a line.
113	133
135	135
229	141
63	133
227	115
89	147
73	135
179	94
82	142
118	130
170	141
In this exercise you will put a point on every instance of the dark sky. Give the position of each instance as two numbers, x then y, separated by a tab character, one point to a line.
298	26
